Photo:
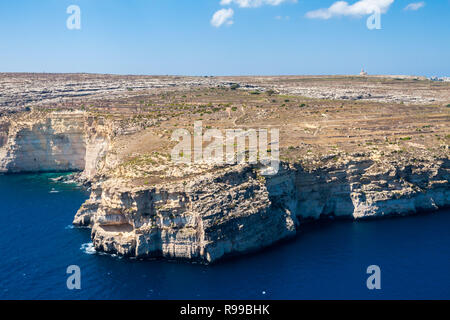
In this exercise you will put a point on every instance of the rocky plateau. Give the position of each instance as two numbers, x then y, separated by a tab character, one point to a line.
350	147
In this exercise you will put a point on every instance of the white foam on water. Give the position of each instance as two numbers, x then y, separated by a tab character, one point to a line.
88	248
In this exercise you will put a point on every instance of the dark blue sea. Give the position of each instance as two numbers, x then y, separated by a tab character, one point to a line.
326	261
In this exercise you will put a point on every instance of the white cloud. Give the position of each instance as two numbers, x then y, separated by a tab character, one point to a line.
415	6
358	9
223	16
254	3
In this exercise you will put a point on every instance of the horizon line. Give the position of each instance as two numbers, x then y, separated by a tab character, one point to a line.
217	76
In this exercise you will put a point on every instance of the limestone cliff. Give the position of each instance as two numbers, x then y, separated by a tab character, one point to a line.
234	210
206	213
57	141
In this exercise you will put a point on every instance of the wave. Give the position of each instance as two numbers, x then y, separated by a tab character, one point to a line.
88	248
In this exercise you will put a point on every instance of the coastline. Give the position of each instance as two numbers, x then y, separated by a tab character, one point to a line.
142	204
335	252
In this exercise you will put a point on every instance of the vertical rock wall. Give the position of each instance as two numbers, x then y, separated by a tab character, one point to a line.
59	141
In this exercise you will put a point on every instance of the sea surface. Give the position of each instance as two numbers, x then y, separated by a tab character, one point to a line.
326	261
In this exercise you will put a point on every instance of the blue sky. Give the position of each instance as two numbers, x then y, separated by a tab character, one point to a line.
270	37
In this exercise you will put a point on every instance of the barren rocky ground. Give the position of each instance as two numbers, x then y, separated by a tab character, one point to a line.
21	89
350	146
318	116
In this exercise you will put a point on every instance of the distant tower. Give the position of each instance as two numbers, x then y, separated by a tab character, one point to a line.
363	73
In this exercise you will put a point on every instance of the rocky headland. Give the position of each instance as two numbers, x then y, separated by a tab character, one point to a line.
378	148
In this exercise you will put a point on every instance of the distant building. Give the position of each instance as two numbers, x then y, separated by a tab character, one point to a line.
445	79
363	73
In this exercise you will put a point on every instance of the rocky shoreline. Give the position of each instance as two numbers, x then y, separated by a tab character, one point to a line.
230	210
143	205
242	212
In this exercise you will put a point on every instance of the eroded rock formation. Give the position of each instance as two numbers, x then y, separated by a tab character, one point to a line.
58	141
235	210
339	159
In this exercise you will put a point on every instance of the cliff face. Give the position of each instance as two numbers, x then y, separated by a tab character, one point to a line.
364	188
60	141
206	213
202	220
236	210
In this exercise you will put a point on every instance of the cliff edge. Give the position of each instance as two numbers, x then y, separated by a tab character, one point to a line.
338	159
